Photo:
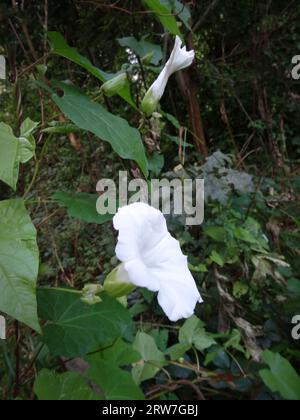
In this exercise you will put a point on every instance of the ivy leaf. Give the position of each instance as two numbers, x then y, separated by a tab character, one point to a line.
61	47
88	115
281	377
188	330
146	346
234	341
193	333
202	340
152	358
178	350
161	337
74	328
19	263
113	381
81	206
68	386
119	354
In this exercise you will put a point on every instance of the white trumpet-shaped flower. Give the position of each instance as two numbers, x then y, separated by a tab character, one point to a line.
152	258
179	60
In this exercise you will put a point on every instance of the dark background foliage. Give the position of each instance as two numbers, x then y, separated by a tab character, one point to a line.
239	98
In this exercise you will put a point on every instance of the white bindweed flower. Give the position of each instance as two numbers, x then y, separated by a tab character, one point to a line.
152	258
179	60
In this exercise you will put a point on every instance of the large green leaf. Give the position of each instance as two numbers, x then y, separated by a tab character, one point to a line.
61	47
14	150
81	206
119	354
68	386
281	377
19	263
75	328
9	163
164	15
113	381
88	115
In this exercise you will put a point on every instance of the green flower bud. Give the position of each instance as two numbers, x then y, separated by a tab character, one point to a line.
117	284
150	103
89	293
114	85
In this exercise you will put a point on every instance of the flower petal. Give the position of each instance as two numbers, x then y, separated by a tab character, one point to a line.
153	259
178	294
179	59
140	275
140	227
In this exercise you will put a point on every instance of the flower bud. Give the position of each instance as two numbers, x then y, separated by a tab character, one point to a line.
89	293
114	85
179	60
117	283
150	103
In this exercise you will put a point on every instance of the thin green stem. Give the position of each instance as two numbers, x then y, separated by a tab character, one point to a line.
60	289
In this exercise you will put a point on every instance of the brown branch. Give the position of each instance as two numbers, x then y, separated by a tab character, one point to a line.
174	386
28	40
45	26
196	389
114	6
32	65
189	92
19	39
